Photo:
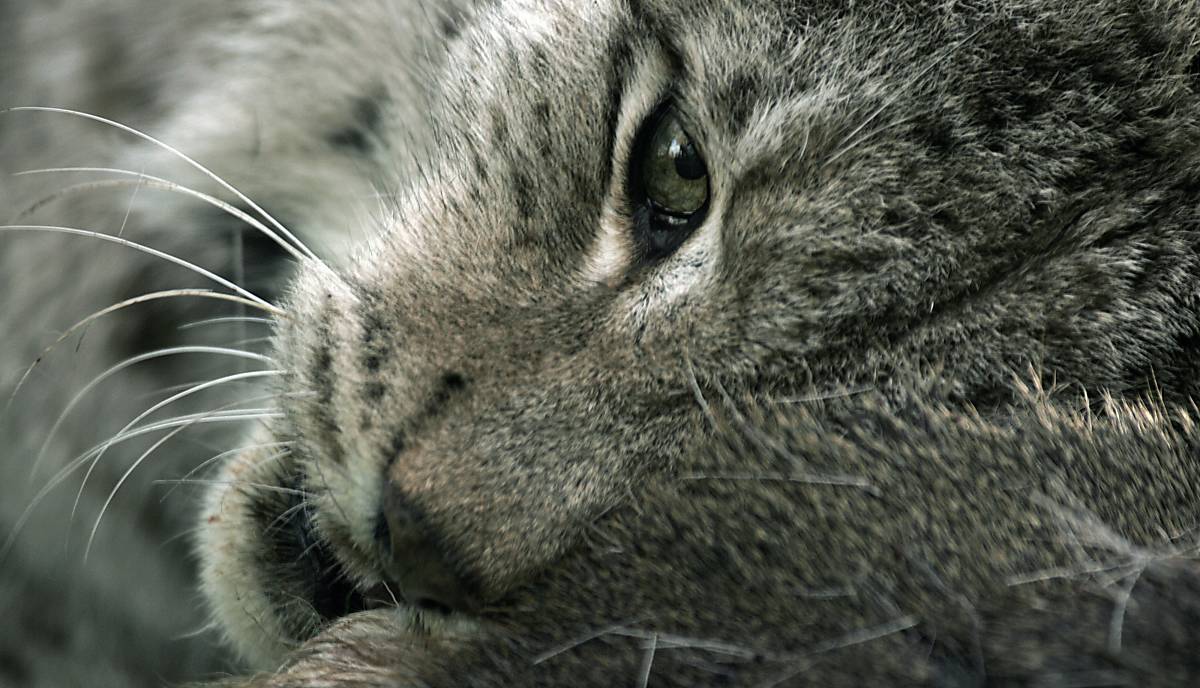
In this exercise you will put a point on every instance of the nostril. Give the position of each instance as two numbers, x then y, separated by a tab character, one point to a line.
418	563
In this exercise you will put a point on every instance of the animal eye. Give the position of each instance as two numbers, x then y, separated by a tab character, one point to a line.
669	183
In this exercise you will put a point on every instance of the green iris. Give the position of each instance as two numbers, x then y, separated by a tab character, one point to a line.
674	177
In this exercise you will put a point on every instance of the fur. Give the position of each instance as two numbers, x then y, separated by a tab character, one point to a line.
911	406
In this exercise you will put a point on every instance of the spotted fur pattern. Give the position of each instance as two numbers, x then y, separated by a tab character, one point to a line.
912	405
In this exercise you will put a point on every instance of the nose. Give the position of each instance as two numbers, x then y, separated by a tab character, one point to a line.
418	564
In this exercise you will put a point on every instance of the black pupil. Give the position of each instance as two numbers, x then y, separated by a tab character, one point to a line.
689	165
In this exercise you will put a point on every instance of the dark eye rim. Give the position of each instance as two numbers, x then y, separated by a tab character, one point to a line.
658	232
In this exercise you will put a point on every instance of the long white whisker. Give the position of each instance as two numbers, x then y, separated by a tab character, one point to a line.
170	389
153	296
150	355
152	182
117	488
125	476
165	402
233	416
129	210
251	340
258	302
287	513
230	452
228	319
261	486
182	156
186	532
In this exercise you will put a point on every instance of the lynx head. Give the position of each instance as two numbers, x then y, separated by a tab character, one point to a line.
634	206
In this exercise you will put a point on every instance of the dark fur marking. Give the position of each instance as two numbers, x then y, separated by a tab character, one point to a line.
398	443
480	168
499	129
736	99
937	133
541	113
665	35
380	532
322	383
449	26
541	64
352	138
451	384
454	382
521	190
376	341
638	11
374	391
618	74
364	131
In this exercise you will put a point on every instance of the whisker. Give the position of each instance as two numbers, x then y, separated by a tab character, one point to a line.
257	302
330	493
151	182
150	355
231	416
116	488
138	462
829	395
208	627
129	211
186	532
152	296
182	156
211	460
166	402
164	390
300	505
751	431
251	340
261	486
226	319
287	513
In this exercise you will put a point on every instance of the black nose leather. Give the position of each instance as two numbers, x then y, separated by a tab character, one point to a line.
417	565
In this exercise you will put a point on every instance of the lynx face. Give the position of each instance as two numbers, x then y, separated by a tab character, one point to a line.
634	208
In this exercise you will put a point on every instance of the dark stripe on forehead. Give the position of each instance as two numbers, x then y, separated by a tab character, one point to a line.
661	30
640	27
620	66
638	11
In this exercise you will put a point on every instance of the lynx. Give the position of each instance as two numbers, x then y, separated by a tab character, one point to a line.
625	342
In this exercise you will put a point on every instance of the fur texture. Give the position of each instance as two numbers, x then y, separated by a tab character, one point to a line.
910	406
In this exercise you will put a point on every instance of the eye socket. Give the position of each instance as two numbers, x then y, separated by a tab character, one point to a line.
668	184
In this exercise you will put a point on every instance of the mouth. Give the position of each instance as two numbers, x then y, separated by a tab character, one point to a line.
323	582
319	577
276	582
